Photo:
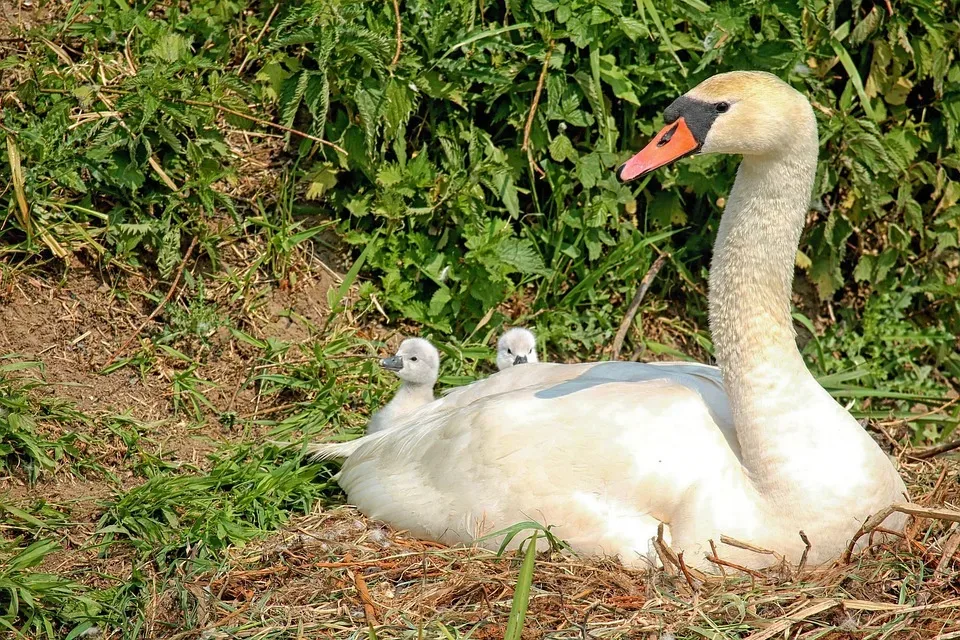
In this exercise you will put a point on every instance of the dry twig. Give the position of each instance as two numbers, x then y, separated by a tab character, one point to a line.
713	549
396	13
369	608
806	550
533	111
667	557
907	508
266	123
788	621
635	304
931	452
259	37
746	546
686	574
725	563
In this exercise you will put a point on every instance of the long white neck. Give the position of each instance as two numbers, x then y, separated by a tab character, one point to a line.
773	396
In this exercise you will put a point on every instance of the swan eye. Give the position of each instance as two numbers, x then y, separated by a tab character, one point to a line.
509	352
413	359
722	107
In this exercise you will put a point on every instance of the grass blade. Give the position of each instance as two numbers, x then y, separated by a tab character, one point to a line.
851	70
647	6
480	36
351	276
521	595
16	176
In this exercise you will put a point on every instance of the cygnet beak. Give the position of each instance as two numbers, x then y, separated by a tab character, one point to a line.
393	363
520	360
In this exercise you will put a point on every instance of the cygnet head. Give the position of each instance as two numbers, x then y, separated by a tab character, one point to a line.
516	346
749	113
416	361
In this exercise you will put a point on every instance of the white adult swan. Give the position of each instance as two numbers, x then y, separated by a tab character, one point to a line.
606	452
417	364
516	346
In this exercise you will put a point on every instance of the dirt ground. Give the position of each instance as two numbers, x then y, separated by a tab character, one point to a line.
74	324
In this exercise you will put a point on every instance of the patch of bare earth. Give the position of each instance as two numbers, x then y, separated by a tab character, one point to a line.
74	323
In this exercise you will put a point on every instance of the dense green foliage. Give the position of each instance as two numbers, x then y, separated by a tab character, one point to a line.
468	170
118	156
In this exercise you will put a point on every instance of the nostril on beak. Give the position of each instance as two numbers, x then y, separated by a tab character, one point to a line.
520	360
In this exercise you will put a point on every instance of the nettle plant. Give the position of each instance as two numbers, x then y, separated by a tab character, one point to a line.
470	163
118	150
480	155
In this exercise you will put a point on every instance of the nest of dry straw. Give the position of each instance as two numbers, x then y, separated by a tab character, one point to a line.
336	574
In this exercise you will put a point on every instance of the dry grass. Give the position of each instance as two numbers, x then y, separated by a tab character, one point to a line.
332	573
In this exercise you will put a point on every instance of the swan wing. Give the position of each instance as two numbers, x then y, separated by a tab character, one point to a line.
544	452
705	380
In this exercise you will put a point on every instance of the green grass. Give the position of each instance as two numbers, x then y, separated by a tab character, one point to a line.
39	605
248	491
24	449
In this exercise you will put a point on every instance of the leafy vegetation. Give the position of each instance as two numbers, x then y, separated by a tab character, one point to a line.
23	448
473	158
245	493
35	604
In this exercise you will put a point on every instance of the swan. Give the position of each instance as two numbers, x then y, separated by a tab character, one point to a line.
417	364
605	453
516	346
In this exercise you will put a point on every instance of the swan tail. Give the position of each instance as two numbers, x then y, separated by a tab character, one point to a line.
323	451
333	450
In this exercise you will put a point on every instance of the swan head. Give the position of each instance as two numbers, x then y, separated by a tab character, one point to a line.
749	113
416	361
516	346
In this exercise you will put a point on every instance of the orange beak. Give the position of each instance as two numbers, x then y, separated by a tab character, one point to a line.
673	142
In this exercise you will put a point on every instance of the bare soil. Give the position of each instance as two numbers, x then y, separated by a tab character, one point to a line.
72	323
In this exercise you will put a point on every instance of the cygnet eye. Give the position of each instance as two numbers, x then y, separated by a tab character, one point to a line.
509	352
413	358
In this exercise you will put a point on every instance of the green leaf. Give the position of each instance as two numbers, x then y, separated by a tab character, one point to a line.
562	149
545	5
508	192
322	179
273	74
520	254
589	170
854	76
439	300
397	109
647	6
865	28
864	269
633	28
368	103
170	47
666	209
618	81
